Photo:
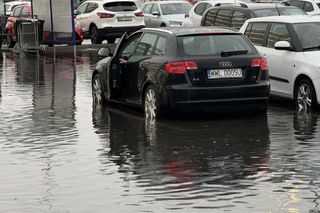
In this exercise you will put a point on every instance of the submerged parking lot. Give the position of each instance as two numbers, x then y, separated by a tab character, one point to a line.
59	154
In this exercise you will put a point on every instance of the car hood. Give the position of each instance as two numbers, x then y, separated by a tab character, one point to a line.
175	17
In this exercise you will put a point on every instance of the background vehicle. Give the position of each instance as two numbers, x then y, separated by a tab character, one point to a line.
178	69
108	19
309	6
25	12
165	13
9	6
234	16
291	45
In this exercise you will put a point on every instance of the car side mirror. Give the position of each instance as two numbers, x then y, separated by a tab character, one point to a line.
186	15
155	13
104	52
75	13
282	45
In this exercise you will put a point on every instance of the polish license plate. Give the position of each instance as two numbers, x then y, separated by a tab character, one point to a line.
224	73
124	18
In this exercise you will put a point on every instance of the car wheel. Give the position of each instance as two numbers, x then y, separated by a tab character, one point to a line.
97	91
111	40
94	35
151	105
305	96
10	42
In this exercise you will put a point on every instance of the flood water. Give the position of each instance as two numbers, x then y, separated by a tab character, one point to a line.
59	154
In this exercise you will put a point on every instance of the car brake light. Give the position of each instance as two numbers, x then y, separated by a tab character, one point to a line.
180	67
139	14
260	62
105	15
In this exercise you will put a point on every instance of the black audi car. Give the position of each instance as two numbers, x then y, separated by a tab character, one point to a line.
166	69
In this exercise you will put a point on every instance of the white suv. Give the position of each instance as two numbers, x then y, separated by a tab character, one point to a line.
291	45
309	6
108	19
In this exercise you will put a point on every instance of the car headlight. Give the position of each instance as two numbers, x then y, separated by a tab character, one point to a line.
175	23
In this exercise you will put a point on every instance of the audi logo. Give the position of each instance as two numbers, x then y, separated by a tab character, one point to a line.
225	64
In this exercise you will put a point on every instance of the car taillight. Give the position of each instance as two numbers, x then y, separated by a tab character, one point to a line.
260	62
180	67
105	15
139	14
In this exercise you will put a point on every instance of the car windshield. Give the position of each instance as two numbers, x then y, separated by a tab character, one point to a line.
175	8
308	35
120	6
226	44
266	12
291	11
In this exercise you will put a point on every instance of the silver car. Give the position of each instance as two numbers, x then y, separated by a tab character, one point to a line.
165	13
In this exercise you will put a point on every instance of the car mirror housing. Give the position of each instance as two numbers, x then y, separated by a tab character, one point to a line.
104	52
282	45
155	13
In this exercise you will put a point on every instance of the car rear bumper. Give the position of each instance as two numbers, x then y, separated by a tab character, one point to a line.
245	97
117	31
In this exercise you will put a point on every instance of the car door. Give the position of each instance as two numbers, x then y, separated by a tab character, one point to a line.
280	61
138	64
83	16
196	14
155	18
146	9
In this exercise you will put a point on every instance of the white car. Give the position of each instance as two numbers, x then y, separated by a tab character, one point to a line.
9	6
309	6
193	19
108	19
291	45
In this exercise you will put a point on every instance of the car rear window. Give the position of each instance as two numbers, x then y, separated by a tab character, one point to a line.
120	6
214	44
266	12
175	8
291	11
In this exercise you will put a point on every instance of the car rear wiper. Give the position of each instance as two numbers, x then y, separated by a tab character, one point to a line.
311	48
238	52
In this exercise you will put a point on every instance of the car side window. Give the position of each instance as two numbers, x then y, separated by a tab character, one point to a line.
155	9
17	12
223	18
128	49
297	3
308	7
91	7
82	8
146	45
200	8
209	17
257	32
278	32
238	18
147	8
25	12
160	48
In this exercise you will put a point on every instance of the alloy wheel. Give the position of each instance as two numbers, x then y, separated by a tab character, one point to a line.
97	90
304	97
94	35
150	108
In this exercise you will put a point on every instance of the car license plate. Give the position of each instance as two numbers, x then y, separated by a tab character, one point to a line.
224	73
124	18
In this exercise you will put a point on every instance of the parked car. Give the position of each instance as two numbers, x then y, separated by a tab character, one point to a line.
109	19
235	15
160	69
291	45
193	19
309	6
9	6
24	12
165	13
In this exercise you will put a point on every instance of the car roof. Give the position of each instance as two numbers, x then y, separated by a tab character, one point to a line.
167	2
254	6
286	19
180	31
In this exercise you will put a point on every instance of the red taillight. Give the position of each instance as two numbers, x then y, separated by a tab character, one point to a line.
180	67
139	14
105	15
260	62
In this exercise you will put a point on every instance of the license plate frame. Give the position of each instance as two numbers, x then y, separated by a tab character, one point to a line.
234	73
124	18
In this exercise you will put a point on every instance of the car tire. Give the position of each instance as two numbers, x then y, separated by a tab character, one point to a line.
97	91
151	105
305	95
94	36
10	42
111	40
